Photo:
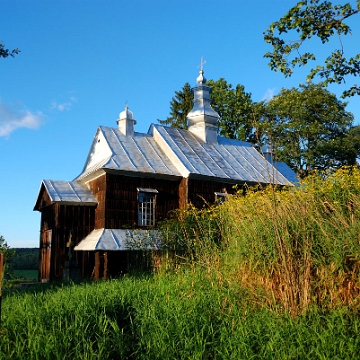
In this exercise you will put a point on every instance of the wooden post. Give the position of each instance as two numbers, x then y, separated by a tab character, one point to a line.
1	279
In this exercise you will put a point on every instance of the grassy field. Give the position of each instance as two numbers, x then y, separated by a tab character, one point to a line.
26	274
167	317
270	275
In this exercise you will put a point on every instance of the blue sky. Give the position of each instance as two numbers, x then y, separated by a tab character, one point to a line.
81	61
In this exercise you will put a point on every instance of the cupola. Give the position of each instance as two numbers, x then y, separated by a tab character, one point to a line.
126	122
267	153
202	119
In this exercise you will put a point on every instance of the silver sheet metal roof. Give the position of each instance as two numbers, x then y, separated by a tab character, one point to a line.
287	172
176	152
227	160
69	192
120	240
138	153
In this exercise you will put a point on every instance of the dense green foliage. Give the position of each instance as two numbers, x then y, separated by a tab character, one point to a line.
8	253
235	108
25	259
309	128
314	18
273	274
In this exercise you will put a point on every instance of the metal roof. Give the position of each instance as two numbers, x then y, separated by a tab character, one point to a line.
226	160
139	153
68	192
176	152
120	240
286	171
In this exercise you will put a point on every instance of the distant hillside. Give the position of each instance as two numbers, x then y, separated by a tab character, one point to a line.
25	259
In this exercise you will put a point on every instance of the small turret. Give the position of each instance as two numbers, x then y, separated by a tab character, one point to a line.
267	153
126	122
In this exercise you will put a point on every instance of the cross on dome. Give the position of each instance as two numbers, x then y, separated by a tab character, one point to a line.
202	63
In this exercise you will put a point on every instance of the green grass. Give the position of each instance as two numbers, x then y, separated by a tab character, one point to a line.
174	316
26	274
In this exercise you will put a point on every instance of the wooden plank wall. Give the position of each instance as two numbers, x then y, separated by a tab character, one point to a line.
116	209
118	203
201	193
47	222
98	188
63	219
183	193
111	264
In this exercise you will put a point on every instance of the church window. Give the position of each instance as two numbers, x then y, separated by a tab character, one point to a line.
220	197
146	206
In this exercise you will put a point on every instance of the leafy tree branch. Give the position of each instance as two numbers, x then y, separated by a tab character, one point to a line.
321	19
6	52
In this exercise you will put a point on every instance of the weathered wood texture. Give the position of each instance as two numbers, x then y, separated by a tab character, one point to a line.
201	193
118	202
43	199
65	221
183	193
111	264
117	208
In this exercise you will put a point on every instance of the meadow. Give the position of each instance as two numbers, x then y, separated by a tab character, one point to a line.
273	273
26	274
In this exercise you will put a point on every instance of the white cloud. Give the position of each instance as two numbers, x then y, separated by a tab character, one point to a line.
269	94
64	105
11	119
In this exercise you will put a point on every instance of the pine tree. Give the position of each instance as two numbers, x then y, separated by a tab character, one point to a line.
180	105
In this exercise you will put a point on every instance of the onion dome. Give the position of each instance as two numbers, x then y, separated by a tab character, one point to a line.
201	78
126	114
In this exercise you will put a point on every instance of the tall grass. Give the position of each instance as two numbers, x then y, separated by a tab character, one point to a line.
291	248
273	274
188	315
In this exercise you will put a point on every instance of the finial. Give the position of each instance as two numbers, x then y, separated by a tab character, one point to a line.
202	63
201	78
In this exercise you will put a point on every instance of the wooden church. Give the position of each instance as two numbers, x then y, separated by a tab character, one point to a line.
93	226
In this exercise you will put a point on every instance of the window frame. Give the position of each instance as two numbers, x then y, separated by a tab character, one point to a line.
146	206
221	197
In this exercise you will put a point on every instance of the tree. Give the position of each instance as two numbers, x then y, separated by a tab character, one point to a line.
4	248
321	19
6	52
180	106
309	129
233	105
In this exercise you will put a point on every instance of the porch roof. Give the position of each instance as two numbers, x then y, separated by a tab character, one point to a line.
120	240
